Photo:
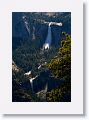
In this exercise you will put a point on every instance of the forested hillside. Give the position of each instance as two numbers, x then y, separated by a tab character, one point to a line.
38	73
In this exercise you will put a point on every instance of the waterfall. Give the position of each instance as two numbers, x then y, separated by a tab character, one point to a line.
49	35
26	24
27	27
31	81
48	39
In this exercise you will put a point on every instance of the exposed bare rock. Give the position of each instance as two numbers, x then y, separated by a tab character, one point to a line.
42	94
14	67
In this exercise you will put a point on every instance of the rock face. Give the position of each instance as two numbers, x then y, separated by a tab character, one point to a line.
25	28
14	67
42	93
45	82
19	29
31	34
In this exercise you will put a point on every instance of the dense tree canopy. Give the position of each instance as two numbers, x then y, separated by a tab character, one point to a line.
61	68
61	65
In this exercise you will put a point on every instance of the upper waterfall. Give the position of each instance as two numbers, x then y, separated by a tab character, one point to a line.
49	35
48	39
26	24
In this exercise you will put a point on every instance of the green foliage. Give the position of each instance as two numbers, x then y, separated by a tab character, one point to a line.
61	94
22	93
19	76
28	55
61	68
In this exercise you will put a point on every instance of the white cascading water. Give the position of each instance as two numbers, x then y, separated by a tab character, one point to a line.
48	39
26	24
49	35
31	81
27	27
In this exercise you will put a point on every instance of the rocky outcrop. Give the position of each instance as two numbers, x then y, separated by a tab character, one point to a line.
14	67
42	94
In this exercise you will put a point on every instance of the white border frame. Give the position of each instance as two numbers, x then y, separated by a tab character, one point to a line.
6	104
